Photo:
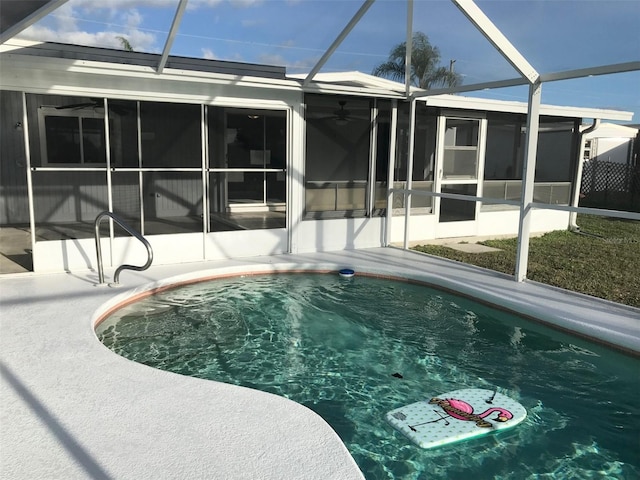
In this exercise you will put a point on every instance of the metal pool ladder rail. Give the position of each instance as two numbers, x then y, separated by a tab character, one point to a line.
131	231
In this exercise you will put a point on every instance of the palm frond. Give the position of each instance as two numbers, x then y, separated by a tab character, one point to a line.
425	58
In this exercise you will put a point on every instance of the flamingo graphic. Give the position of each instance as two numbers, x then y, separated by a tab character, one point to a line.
461	410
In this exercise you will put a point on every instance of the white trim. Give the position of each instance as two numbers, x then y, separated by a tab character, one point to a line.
484	104
354	76
27	155
391	171
204	151
16	75
107	153
373	160
410	151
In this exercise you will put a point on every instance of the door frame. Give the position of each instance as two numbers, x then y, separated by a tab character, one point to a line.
462	228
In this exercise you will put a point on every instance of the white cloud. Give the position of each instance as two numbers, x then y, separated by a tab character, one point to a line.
140	41
64	18
132	18
64	25
208	54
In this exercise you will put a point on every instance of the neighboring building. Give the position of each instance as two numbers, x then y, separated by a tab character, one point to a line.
208	150
610	142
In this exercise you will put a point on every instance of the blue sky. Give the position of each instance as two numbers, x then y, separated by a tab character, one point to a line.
554	35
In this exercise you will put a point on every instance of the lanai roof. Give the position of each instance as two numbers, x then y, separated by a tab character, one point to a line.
353	82
486	42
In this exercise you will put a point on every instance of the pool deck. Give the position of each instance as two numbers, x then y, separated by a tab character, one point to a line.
70	408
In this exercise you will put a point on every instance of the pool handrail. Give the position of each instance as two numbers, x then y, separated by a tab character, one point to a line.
120	221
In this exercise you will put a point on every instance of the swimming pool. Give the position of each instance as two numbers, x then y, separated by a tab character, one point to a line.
334	345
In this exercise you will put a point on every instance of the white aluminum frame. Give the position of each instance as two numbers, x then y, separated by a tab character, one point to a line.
26	22
175	25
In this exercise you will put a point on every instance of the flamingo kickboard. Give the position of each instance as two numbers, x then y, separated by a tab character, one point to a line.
455	416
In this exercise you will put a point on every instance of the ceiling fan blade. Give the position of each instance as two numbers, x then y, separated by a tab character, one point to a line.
75	105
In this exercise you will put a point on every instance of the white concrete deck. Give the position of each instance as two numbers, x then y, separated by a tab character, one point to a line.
71	408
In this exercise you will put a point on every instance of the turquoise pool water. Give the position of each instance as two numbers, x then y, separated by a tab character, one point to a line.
334	345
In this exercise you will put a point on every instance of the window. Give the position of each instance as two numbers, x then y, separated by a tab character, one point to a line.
247	162
460	149
586	154
73	136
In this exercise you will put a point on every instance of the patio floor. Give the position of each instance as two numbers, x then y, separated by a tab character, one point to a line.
71	408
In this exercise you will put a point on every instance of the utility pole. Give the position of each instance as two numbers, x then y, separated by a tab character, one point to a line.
451	62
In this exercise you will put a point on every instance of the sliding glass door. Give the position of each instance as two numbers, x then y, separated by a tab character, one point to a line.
247	168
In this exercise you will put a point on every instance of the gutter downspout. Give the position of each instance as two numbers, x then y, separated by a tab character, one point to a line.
573	227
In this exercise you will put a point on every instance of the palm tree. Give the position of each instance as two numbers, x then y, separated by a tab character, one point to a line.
425	72
125	44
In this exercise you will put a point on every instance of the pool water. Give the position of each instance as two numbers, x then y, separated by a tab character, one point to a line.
340	346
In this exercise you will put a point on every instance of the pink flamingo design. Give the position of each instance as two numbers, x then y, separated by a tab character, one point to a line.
461	410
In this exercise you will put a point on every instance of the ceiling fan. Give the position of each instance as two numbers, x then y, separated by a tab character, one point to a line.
94	104
342	116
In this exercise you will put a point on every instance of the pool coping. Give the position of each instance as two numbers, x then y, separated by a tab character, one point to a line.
73	409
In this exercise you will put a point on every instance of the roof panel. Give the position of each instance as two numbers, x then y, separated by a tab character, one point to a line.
279	32
557	36
552	36
144	25
461	43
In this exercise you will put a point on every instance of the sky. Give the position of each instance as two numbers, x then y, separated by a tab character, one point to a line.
553	35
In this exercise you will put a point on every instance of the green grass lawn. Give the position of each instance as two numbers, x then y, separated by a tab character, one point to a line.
603	261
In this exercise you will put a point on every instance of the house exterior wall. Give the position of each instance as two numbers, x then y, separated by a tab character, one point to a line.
610	142
616	150
340	234
13	173
80	254
81	195
344	223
